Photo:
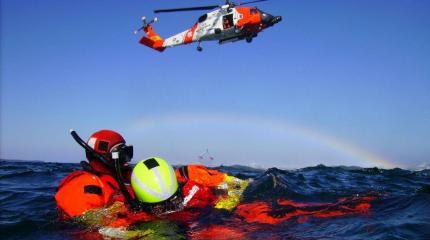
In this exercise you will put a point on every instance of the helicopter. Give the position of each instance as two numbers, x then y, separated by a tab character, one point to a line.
230	22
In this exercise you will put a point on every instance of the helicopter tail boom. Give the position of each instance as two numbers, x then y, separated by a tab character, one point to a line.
152	40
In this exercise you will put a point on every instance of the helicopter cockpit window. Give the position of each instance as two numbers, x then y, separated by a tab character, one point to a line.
227	21
254	10
203	18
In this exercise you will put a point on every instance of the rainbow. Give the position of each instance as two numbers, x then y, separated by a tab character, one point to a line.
330	142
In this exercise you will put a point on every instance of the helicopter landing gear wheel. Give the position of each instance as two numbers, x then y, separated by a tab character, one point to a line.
249	39
199	48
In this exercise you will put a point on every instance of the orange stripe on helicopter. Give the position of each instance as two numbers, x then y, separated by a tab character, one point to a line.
190	34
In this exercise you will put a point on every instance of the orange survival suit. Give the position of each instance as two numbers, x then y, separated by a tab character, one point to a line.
83	190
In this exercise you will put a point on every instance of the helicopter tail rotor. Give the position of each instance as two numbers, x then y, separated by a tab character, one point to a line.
145	24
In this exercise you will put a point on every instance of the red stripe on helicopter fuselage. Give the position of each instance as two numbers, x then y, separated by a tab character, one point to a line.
190	34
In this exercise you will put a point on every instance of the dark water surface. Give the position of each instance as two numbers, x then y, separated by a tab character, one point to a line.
27	206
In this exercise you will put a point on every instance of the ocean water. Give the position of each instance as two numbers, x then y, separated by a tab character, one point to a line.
401	209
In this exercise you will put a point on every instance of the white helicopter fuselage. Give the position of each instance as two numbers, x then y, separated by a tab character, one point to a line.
216	25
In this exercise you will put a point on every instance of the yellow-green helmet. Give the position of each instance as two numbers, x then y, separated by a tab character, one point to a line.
153	180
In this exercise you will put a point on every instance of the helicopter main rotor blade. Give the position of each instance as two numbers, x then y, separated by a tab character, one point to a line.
186	9
249	2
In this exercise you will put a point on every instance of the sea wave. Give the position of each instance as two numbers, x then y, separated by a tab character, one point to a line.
401	210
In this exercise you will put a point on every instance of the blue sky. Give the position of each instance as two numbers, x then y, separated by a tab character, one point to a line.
356	71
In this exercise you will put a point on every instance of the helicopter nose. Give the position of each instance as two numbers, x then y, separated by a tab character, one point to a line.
266	18
269	20
276	19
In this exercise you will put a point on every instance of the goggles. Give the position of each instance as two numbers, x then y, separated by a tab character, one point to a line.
122	152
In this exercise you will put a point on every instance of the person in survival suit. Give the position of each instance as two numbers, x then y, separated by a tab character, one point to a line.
160	189
97	184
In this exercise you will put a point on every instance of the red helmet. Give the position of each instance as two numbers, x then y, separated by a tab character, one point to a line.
105	142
